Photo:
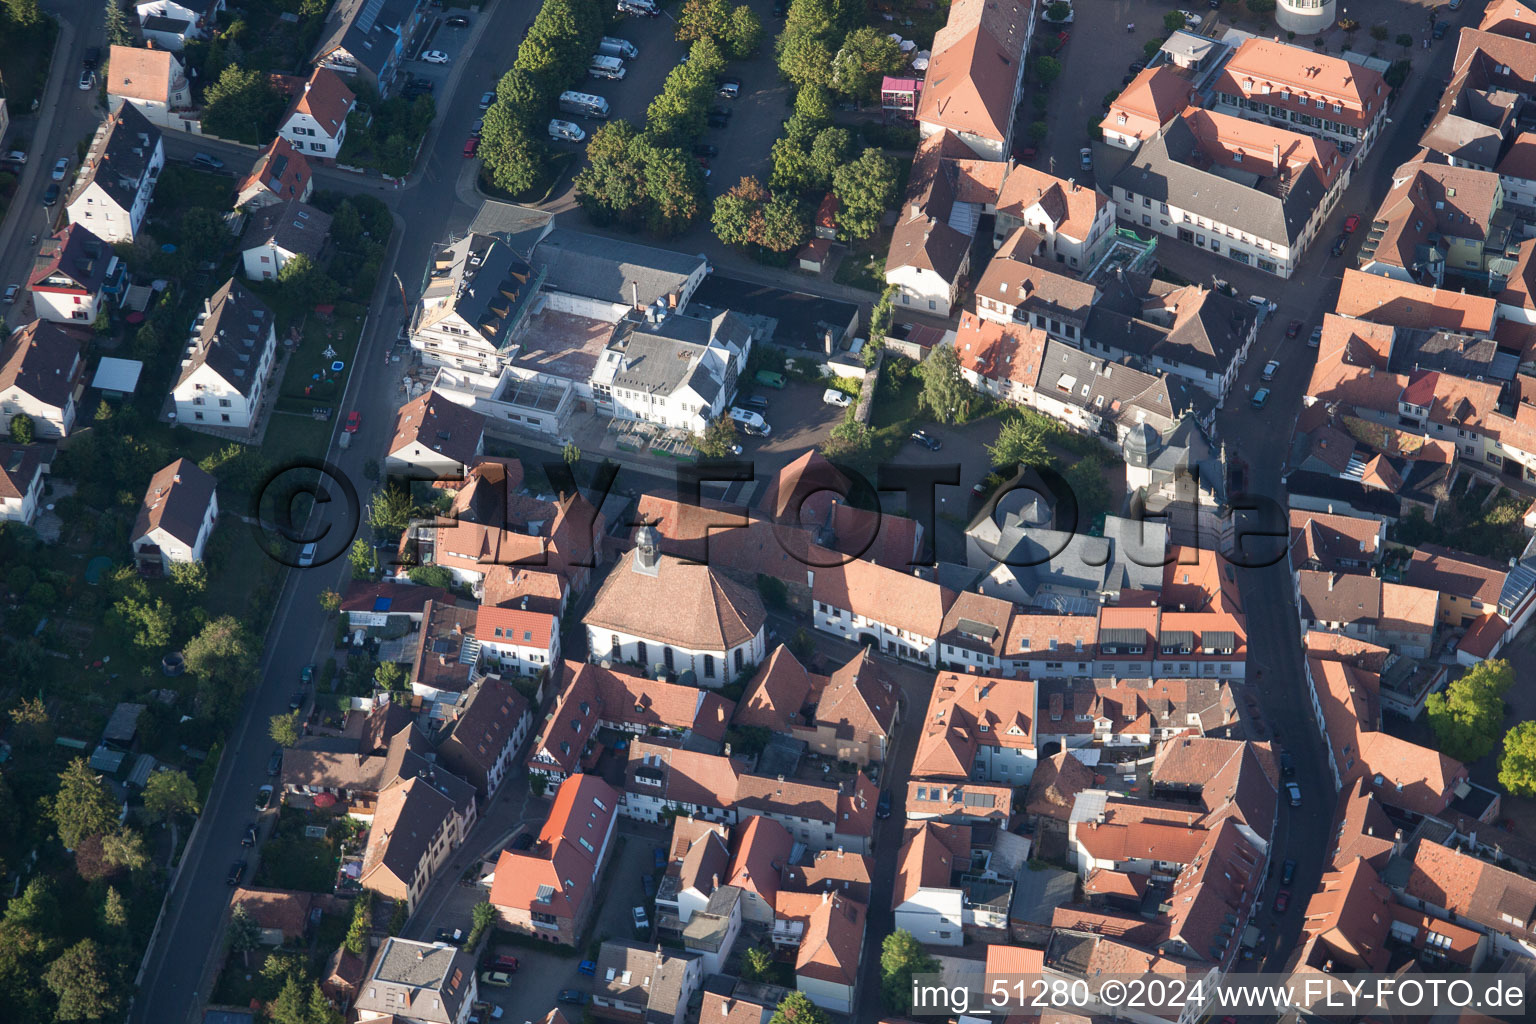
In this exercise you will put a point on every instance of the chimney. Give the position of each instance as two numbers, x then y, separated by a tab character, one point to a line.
714	882
1330	583
1398	845
1277	158
634	291
828	341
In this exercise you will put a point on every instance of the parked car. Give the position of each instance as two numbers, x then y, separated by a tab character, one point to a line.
1339	245
658	857
642	923
767	378
60	168
1351	223
307	674
1191	19
1440	29
1293	328
757	404
883	807
307	555
434	57
207	161
729	88
704	149
1270	369
926	439
16	156
724	112
457	21
263	798
1287	871
486	99
566	131
503	963
478	128
587	967
648	883
471	144
92	59
1293	792
715	121
10	293
452	936
50	195
1287	764
1316	337
573	996
295	700
275	762
500	979
354	421
1260	397
1085	157
1282	901
87	79
832	396
236	872
249	839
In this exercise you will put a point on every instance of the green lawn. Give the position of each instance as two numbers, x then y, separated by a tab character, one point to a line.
863	267
291	860
241	983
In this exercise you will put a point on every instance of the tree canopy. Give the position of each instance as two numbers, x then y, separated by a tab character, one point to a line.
867	53
1019	442
284	729
1468	717
242	105
900	958
865	189
169	793
81	807
82	981
1517	768
945	392
797	1008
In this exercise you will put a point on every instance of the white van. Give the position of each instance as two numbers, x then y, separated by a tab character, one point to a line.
583	104
642	7
614	47
565	131
751	421
606	67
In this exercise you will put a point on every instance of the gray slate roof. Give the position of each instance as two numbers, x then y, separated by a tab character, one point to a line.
491	285
291	225
120	157
1114	390
404	971
367	29
230	341
609	269
1170	167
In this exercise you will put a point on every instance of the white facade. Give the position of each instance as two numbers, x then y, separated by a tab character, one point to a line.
174	549
1304	17
311	138
64	303
157	110
925	290
713	669
826	994
417	460
207	397
50	422
935	917
265	261
1079	254
107	219
522	659
902	643
24	508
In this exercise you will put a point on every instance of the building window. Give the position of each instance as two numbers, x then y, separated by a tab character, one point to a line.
709	666
614	647
640	652
740	661
666	656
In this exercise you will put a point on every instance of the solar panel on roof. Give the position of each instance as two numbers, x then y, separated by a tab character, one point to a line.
381	604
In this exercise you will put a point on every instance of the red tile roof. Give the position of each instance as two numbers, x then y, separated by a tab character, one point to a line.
326	98
834	937
555	875
967	711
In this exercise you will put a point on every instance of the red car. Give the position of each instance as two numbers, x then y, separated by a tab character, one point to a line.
1282	900
503	963
1350	223
1293	328
354	421
470	145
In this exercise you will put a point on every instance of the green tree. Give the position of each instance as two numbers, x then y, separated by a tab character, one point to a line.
191	578
170	793
1048	69
1261	7
1380	33
291	1005
865	189
284	728
362	923
703	19
879	323
304	281
791	156
1469	715
25	12
743	33
330	602
718	438
571	453
784	224
1517	768
23	430
82	982
482	918
515	159
320	1009
813	104
756	964
431	576
900	958
115	24
673	184
114	909
81	807
363	559
867	54
797	1008
33	726
124	848
805	60
392	508
1019	443
151	624
223	658
830	151
612	187
244	933
391	675
849	437
1173	21
1058	11
738	215
944	391
1404	40
242	105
